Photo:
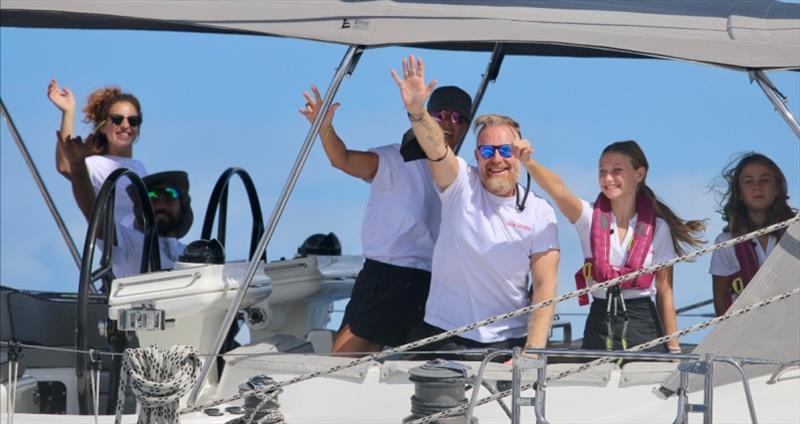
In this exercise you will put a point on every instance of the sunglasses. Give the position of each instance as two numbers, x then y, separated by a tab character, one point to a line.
133	120
456	117
487	151
168	193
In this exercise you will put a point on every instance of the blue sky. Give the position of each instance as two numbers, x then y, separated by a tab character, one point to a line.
213	101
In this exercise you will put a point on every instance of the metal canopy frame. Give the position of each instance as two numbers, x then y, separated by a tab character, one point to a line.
346	67
776	98
37	178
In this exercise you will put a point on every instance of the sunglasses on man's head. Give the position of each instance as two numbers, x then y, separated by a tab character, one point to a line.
456	117
487	151
168	193
133	120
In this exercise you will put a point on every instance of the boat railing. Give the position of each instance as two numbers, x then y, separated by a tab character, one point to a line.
536	359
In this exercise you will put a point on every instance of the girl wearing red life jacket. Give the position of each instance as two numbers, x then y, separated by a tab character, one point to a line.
756	197
626	228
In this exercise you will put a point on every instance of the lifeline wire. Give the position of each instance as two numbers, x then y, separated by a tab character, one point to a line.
604	360
518	312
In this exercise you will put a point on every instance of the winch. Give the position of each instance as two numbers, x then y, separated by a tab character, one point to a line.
438	385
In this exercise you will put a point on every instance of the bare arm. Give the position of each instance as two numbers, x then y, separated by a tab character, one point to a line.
544	270
414	92
722	293
569	204
64	100
359	164
75	152
665	302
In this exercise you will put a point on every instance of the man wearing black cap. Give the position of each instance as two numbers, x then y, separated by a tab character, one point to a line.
169	196
400	225
168	192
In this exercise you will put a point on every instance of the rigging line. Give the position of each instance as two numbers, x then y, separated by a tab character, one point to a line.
604	360
518	312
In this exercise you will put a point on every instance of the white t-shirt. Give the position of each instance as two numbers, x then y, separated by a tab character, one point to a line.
661	249
401	221
483	256
100	167
724	262
126	256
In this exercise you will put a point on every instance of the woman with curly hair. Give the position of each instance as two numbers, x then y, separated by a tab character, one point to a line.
755	197
116	118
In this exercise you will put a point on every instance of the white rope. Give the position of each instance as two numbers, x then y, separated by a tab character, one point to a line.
507	315
271	416
159	378
603	360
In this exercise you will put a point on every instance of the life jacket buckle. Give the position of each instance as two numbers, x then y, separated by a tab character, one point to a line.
587	270
737	285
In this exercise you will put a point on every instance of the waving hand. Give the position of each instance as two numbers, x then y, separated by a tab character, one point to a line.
413	89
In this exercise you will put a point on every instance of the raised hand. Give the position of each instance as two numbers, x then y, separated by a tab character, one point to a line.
413	89
522	149
74	149
313	105
63	99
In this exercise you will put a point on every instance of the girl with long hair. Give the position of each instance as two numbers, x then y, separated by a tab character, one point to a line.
756	196
626	228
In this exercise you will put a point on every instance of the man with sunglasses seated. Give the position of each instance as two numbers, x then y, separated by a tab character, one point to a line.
168	192
400	224
492	234
169	196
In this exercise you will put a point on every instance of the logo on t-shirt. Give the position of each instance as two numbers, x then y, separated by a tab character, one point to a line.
519	225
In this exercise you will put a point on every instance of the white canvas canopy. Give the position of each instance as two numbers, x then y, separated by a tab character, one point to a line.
739	34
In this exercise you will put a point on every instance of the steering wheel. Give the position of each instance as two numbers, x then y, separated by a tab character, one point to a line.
103	214
219	198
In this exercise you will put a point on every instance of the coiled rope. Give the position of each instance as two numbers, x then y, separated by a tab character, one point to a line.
604	360
265	414
159	378
518	312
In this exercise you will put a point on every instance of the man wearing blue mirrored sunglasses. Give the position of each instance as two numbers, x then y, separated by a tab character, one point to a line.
489	240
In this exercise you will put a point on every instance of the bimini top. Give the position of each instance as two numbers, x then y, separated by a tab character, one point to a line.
738	34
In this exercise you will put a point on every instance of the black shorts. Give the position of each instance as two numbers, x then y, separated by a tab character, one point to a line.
644	325
453	343
387	301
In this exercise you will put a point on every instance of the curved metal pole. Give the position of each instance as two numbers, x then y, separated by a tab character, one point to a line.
492	70
37	178
103	214
345	67
219	198
776	98
746	385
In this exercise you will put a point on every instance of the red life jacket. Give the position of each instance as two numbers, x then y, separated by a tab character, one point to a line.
748	266
748	261
597	267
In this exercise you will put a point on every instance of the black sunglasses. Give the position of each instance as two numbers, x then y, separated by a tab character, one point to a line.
133	120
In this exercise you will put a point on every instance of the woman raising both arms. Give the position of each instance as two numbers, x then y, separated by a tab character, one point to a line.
116	118
626	229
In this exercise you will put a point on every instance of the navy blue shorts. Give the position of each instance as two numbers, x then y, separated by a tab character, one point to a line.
644	325
387	302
